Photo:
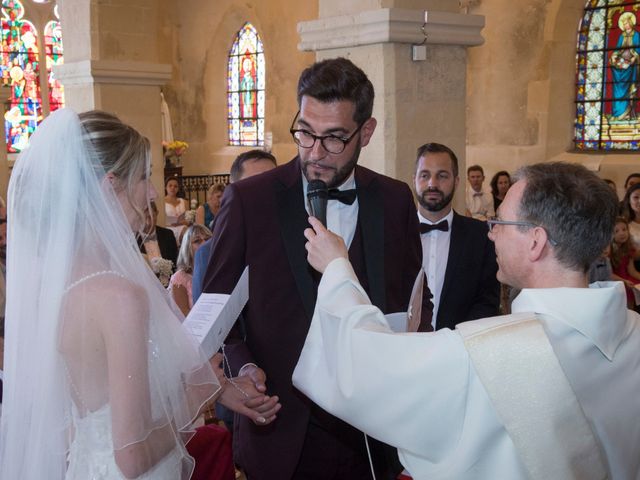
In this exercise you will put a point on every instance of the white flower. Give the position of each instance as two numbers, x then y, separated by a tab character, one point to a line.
190	217
163	269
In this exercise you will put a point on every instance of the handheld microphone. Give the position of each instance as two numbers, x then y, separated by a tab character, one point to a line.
318	194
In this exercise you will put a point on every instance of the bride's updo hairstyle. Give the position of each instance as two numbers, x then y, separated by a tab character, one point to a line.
119	149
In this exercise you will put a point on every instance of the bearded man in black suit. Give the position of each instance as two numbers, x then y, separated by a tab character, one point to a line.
457	255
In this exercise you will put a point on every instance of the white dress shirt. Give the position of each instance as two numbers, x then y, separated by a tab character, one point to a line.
420	392
480	204
341	218
435	254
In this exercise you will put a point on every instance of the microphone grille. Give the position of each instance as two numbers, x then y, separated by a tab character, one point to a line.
317	187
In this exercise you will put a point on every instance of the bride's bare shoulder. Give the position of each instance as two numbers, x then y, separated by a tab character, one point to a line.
110	296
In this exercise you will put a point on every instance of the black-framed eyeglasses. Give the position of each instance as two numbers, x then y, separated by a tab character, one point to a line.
492	221
331	143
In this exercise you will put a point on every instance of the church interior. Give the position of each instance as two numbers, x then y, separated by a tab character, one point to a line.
502	83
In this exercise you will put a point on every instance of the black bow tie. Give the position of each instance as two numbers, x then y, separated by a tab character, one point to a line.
345	196
443	226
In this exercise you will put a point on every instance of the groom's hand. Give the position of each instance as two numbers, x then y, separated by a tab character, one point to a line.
323	246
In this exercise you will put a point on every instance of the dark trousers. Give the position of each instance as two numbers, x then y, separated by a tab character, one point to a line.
327	457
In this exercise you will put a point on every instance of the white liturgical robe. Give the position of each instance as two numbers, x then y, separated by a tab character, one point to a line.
420	391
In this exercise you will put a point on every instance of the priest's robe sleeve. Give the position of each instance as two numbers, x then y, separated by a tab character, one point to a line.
408	390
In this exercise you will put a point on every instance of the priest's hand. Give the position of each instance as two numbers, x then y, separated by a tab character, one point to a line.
323	246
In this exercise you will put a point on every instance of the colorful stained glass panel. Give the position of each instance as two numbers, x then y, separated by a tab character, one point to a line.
54	56
20	67
246	89
608	76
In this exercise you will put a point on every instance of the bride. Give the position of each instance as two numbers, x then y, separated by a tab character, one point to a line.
101	381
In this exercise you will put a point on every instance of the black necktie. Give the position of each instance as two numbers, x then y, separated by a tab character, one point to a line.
345	196
443	226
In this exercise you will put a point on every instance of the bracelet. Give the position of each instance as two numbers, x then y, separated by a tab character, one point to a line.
226	367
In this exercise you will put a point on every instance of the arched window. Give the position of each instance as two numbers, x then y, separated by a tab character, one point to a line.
607	79
34	90
245	88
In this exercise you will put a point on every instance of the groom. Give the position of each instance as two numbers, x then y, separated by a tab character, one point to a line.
261	224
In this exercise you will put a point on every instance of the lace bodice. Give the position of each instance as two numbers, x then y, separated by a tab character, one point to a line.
91	453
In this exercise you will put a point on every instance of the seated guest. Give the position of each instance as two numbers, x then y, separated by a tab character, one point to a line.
631	207
174	207
245	165
549	392
180	283
500	184
209	209
159	241
479	202
622	254
631	180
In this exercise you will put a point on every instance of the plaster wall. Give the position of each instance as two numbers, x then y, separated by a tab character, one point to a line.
201	35
502	130
521	89
98	31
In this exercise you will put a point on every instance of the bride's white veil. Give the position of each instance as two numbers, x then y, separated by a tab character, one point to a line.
62	212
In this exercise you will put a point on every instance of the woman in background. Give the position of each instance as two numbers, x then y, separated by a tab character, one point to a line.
500	184
209	209
180	283
174	207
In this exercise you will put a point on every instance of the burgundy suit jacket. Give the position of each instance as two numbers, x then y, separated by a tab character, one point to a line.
261	224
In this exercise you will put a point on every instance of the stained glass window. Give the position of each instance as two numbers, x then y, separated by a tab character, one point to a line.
245	88
607	78
20	61
53	52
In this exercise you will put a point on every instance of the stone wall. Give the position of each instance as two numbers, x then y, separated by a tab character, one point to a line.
520	103
198	36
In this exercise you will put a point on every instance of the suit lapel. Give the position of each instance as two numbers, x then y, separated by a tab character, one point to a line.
292	218
371	219
456	244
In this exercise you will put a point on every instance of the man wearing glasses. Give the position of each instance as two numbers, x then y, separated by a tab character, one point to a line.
261	224
548	392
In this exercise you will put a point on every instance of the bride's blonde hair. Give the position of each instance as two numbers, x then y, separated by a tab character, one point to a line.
119	149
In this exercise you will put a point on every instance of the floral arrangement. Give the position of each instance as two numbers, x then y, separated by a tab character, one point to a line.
174	150
163	269
190	217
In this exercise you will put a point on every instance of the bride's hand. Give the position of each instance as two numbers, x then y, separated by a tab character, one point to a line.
241	395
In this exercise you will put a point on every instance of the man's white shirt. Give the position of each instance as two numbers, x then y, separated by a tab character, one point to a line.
435	254
480	204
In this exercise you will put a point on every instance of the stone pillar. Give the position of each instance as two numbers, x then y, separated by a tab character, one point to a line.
5	94
111	63
417	101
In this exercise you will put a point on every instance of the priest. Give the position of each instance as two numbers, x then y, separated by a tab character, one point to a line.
549	392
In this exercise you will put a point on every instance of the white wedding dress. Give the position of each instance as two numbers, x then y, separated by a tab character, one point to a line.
91	453
98	366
